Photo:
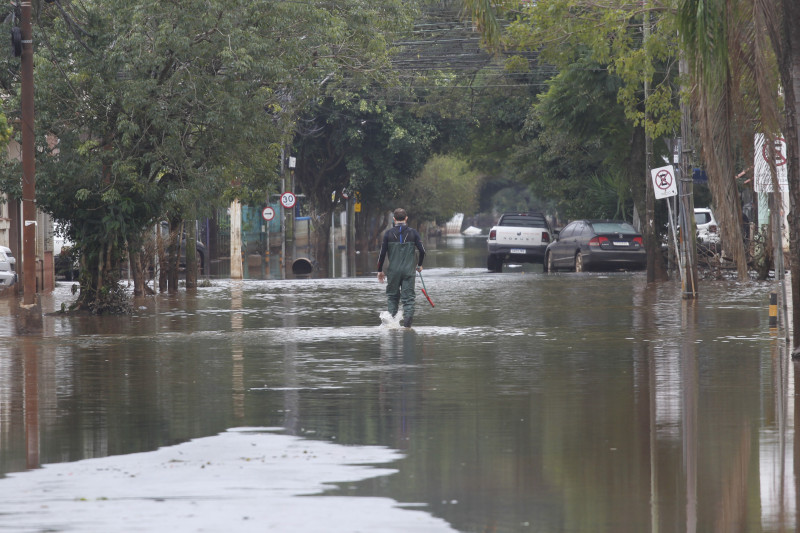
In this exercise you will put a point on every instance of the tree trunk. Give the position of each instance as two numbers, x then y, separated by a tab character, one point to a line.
789	64
161	254
644	200
137	273
191	255
716	117
173	255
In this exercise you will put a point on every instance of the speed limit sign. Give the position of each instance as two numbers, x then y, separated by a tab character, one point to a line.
288	200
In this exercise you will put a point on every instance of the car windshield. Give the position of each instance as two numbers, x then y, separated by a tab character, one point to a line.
614	227
525	221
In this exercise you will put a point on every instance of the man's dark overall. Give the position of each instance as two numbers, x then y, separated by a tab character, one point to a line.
400	275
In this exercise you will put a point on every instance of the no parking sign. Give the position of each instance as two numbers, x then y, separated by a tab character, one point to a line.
664	184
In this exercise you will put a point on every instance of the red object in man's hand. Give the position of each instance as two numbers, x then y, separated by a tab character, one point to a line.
428	297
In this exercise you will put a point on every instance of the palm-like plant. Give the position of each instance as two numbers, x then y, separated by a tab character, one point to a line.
760	42
734	70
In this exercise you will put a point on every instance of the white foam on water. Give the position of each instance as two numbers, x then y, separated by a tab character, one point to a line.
391	322
243	480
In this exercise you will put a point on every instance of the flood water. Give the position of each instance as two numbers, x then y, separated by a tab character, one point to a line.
523	402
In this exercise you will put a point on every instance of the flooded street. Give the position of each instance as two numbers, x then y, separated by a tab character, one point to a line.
523	402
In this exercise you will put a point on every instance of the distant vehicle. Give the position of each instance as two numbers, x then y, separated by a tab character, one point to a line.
708	238
11	259
7	275
517	238
472	230
596	245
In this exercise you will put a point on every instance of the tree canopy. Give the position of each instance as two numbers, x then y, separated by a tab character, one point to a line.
150	107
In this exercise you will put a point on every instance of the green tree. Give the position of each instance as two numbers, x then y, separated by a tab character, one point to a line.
444	187
575	36
577	130
154	110
362	145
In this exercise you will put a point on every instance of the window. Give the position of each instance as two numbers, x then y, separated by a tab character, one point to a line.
614	227
568	230
702	218
524	221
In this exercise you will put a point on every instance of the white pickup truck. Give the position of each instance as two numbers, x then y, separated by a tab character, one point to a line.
517	238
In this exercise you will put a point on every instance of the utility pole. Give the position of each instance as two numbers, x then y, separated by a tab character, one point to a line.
689	239
28	155
650	202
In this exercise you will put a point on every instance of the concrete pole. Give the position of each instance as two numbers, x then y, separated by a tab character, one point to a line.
28	160
333	241
351	236
236	240
650	200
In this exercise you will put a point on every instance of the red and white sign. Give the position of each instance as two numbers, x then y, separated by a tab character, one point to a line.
268	213
761	168
288	200
664	184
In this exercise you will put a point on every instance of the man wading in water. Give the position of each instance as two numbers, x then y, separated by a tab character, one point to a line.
399	243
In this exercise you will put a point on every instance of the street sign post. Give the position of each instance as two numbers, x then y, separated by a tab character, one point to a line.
664	184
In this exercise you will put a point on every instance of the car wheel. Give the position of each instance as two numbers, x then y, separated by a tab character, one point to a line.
494	263
579	263
548	263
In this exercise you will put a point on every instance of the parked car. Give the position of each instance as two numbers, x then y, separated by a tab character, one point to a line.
707	230
596	245
517	238
11	259
7	275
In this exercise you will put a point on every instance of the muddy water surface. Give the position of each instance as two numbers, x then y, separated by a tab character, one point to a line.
521	402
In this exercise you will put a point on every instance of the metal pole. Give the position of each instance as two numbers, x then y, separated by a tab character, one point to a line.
675	241
28	155
333	242
293	218
269	266
780	275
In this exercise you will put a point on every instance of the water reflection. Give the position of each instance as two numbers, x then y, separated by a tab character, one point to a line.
689	388
31	402
522	402
237	350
